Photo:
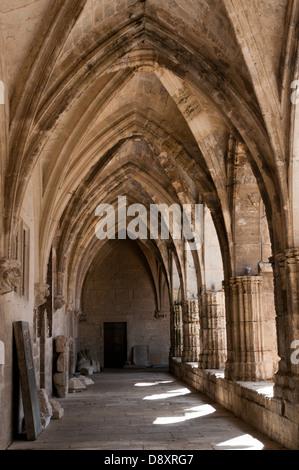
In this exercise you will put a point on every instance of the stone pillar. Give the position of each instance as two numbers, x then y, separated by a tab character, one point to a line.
59	301
269	316
190	314
176	331
41	331
286	280
41	292
46	347
61	376
46	356
212	331
247	359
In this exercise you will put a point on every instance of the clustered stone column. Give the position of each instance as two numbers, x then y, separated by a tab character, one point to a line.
247	357
212	331
190	314
46	355
286	278
41	331
177	331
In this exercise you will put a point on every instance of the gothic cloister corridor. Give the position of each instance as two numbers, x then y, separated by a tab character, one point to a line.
149	218
136	410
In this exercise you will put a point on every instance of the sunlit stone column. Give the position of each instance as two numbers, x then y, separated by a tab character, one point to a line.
247	358
212	331
190	312
176	331
286	280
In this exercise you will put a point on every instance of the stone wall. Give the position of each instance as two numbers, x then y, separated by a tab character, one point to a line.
15	306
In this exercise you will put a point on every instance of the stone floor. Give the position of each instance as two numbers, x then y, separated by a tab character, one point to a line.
144	410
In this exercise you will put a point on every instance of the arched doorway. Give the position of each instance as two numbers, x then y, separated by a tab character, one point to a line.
119	306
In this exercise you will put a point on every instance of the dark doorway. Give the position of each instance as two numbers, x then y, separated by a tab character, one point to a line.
115	344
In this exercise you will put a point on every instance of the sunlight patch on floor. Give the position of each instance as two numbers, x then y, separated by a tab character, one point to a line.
150	384
171	394
246	442
195	412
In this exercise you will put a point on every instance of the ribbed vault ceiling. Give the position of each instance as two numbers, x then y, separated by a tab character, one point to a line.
140	99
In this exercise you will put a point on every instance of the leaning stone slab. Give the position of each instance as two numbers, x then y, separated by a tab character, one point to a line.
57	409
75	385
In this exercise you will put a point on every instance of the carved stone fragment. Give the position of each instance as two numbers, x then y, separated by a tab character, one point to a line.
41	292
10	275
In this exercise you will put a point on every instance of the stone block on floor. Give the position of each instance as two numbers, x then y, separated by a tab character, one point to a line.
57	410
76	385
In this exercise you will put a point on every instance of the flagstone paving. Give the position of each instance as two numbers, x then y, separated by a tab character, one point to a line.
144	410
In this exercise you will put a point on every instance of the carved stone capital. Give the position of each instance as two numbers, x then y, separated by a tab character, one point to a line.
77	312
290	256
245	280
10	275
159	314
59	302
41	292
69	308
81	315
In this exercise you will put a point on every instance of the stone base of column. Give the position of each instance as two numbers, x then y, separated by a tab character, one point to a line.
189	356
211	361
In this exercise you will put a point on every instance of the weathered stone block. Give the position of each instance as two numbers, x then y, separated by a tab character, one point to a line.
76	385
57	410
85	380
86	370
62	344
61	384
62	362
60	379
